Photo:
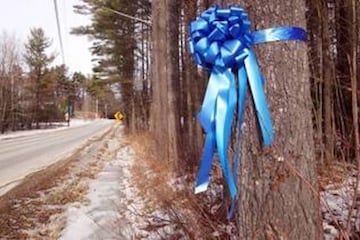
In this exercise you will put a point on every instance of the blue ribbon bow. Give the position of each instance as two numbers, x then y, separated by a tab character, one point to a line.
221	41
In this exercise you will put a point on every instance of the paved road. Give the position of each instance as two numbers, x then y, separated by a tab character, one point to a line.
21	156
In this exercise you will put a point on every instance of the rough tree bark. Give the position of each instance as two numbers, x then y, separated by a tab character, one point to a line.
328	80
315	53
173	81
275	197
164	114
191	132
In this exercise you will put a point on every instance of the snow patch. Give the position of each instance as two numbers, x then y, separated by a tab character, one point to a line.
337	200
104	217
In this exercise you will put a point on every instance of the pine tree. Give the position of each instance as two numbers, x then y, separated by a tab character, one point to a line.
38	62
117	45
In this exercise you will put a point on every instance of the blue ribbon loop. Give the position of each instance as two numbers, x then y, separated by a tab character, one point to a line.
221	41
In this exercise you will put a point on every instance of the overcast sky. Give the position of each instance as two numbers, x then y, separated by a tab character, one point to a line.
18	16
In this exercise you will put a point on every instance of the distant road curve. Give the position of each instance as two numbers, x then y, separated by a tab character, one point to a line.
23	155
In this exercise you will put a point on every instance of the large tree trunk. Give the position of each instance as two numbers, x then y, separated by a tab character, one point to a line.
190	92
276	200
165	74
328	80
173	81
158	125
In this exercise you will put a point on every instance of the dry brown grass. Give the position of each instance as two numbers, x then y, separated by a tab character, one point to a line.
72	192
150	175
185	212
334	175
20	206
44	194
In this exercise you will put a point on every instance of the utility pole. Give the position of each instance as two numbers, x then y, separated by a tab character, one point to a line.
97	107
68	111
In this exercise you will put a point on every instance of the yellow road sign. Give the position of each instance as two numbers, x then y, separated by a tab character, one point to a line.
118	116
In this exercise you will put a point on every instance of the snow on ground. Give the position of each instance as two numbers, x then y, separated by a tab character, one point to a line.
75	122
336	203
71	188
115	209
91	197
109	195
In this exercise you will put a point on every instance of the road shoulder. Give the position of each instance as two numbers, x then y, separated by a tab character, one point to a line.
33	209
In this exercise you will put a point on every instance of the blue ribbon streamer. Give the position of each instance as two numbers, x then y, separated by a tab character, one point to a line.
221	41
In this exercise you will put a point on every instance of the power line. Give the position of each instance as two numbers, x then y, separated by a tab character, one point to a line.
59	31
128	16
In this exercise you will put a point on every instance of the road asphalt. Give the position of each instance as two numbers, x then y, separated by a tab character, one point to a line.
24	155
